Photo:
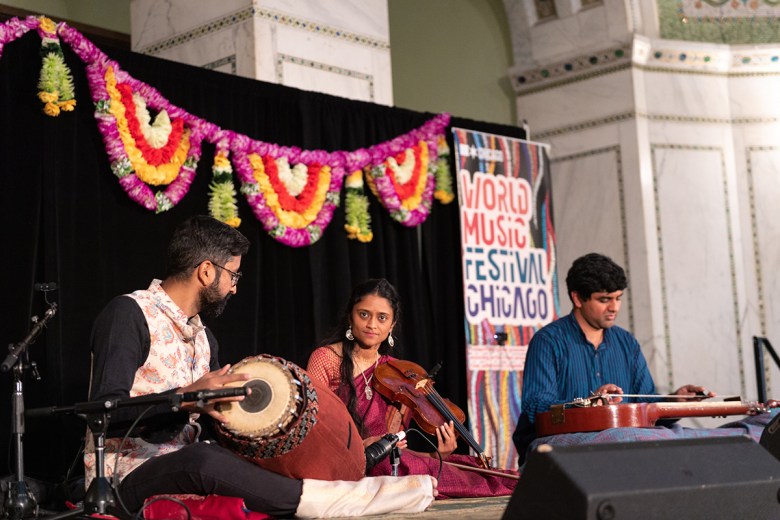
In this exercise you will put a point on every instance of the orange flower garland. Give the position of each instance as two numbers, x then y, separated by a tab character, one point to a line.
148	163
409	200
294	204
294	212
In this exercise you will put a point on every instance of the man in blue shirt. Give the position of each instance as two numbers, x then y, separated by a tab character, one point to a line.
585	353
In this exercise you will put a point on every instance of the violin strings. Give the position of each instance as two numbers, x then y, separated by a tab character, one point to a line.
434	397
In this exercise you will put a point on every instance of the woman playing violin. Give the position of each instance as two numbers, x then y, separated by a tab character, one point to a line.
346	363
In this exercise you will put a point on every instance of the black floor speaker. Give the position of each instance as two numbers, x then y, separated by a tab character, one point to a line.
770	437
713	478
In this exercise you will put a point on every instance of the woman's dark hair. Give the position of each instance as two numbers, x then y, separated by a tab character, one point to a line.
377	287
595	273
202	238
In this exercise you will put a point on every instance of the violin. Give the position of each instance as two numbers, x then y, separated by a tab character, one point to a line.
409	384
561	419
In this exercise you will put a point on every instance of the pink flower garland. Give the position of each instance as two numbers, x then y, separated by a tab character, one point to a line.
243	146
386	191
97	63
15	28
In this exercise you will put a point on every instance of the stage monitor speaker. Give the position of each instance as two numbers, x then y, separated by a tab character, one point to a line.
770	438
709	478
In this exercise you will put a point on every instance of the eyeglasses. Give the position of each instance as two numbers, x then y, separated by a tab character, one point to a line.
234	277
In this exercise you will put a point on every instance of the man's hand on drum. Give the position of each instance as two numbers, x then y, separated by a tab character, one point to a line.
213	381
608	389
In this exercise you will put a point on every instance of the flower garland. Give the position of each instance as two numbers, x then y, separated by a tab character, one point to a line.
444	192
134	161
400	174
222	193
292	192
55	86
16	28
357	220
293	212
408	202
155	166
121	112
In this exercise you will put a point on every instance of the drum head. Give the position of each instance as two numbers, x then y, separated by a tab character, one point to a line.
272	403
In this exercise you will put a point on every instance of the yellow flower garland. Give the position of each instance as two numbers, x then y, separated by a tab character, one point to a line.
150	174
415	200
287	218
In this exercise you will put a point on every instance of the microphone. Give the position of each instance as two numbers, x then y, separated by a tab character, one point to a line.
376	452
209	395
45	286
16	350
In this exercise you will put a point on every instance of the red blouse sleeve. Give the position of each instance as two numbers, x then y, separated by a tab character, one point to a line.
324	366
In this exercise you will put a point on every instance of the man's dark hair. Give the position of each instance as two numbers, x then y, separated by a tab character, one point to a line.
202	238
595	273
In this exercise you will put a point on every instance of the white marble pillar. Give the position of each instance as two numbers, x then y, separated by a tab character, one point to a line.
666	157
339	47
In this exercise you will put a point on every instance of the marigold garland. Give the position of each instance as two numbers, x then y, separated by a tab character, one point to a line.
55	85
408	203
292	192
295	220
444	192
222	193
357	220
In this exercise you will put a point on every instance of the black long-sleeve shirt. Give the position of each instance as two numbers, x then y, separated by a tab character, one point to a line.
120	346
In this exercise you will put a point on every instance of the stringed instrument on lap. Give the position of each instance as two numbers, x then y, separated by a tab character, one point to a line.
591	418
407	383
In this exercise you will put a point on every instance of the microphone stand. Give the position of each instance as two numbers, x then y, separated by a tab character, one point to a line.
100	498
19	501
395	460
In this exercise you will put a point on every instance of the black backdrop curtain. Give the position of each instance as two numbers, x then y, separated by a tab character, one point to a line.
67	220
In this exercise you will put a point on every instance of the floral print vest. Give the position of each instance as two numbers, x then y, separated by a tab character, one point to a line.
179	354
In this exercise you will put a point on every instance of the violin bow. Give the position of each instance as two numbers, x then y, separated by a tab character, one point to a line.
483	470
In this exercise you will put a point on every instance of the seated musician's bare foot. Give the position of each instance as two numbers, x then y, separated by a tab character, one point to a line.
435	486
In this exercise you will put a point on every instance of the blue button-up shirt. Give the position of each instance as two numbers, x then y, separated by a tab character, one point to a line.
562	365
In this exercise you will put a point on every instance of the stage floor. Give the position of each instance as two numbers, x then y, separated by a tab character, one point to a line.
491	508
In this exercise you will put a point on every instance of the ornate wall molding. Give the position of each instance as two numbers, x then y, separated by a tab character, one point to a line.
670	118
575	69
273	16
762	318
227	60
614	149
655	56
654	147
281	59
200	31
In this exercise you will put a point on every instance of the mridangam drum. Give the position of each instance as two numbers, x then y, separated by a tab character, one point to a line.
290	424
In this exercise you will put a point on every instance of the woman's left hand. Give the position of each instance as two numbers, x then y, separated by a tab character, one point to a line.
448	442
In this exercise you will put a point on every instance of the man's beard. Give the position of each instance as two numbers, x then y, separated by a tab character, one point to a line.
211	303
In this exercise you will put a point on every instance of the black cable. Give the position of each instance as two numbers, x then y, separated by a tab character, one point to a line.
115	475
435	448
72	466
69	474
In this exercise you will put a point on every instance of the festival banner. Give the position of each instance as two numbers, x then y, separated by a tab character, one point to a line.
509	278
